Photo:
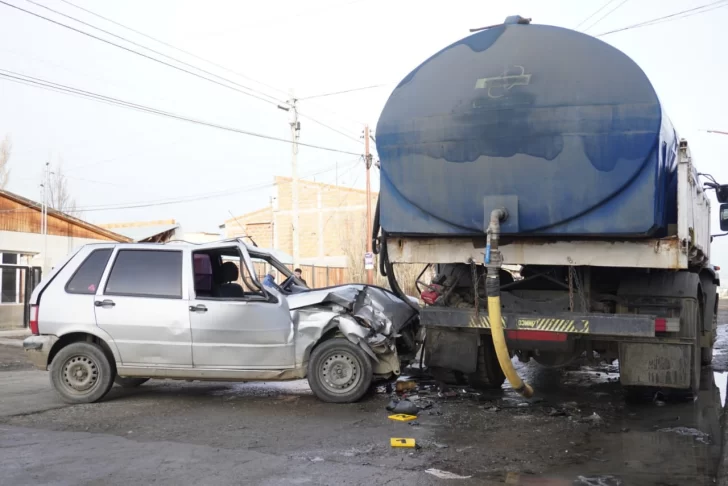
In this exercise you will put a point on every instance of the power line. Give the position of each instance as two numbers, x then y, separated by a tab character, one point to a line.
22	78
347	135
178	200
343	91
589	17
275	101
674	16
191	54
152	58
606	14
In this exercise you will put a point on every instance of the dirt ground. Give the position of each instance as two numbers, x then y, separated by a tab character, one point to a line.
579	430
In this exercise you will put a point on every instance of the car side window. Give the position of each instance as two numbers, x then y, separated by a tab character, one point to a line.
146	273
88	275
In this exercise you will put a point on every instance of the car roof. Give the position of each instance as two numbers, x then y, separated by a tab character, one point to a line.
181	243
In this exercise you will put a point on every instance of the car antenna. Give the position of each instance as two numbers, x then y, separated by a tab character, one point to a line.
242	228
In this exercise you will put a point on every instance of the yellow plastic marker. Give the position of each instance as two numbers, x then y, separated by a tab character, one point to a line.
397	442
402	417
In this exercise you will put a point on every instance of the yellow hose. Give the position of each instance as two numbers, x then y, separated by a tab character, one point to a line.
501	349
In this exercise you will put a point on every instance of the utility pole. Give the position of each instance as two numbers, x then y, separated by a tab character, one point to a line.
295	134
369	256
44	212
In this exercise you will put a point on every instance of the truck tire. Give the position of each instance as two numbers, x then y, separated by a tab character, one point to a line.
706	356
82	373
129	382
489	374
339	371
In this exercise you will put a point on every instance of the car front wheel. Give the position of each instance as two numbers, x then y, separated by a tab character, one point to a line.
81	373
339	371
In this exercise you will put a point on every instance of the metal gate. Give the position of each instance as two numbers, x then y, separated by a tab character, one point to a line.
16	285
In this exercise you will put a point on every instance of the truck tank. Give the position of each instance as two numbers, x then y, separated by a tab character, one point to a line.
561	129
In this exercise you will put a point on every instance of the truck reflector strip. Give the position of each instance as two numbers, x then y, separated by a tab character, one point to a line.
537	336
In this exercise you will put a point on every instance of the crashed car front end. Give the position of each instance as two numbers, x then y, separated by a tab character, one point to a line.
385	327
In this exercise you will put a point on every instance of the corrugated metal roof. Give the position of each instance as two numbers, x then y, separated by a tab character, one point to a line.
140	233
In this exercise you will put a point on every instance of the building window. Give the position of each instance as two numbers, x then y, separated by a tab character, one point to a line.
10	279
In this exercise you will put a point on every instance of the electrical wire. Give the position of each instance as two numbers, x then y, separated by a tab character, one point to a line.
179	200
183	51
583	21
347	135
334	93
18	77
606	15
275	101
674	16
152	58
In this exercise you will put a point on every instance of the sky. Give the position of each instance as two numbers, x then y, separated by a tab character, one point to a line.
113	156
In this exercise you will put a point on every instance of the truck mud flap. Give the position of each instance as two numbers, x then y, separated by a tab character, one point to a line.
585	325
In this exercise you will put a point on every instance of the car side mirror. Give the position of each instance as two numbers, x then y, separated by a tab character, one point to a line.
724	217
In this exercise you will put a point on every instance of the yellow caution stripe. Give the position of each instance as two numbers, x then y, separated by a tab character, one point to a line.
579	326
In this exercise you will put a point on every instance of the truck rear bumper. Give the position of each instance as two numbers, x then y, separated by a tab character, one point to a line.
38	348
582	325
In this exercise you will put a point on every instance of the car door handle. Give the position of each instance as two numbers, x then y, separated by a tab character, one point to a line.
198	308
104	303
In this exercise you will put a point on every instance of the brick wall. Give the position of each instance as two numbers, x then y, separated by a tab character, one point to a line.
330	217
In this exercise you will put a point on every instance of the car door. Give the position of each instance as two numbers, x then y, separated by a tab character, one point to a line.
251	331
142	304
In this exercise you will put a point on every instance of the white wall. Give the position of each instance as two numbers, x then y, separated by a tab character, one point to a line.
59	247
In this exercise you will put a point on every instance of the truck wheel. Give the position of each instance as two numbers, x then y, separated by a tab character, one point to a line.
489	373
706	356
129	382
81	373
339	371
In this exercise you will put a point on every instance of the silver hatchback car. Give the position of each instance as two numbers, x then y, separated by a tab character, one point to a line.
124	313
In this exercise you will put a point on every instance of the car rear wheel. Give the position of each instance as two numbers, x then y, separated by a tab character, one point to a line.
81	373
339	371
130	382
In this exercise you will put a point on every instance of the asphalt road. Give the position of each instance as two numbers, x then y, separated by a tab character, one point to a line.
579	431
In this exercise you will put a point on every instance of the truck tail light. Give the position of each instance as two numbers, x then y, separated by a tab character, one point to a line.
667	324
34	319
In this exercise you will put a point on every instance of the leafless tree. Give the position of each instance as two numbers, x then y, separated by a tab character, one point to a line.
353	235
59	195
6	147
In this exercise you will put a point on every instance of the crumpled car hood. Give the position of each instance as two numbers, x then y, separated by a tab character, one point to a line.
380	308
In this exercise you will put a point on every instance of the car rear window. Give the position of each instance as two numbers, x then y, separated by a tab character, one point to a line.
146	273
87	277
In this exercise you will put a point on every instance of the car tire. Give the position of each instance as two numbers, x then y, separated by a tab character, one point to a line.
339	371
81	373
129	382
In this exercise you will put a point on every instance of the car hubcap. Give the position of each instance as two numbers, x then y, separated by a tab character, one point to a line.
80	373
340	372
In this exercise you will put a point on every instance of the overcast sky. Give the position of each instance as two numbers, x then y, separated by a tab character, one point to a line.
116	156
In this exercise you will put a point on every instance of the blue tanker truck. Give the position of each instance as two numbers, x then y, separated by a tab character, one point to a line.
533	171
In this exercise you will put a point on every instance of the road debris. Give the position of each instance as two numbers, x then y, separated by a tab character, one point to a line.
688	431
445	474
594	419
402	442
406	407
405	384
415	423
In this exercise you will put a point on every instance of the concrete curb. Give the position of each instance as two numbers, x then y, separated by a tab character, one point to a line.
14	333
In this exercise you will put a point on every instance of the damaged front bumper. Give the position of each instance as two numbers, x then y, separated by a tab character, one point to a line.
384	326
